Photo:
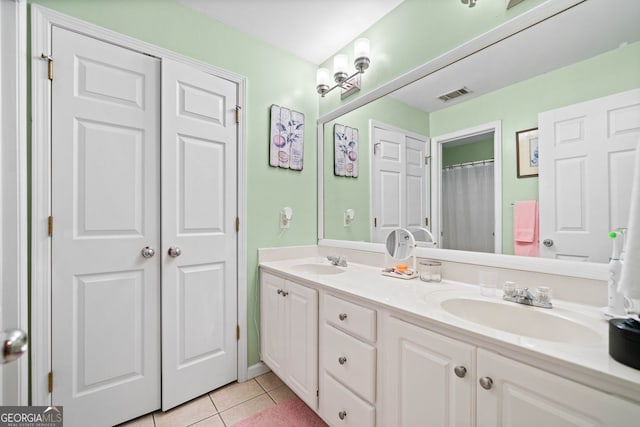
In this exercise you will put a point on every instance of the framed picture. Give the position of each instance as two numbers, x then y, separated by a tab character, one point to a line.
286	138
527	154
345	149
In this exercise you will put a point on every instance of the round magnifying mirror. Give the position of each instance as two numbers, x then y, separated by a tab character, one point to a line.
400	243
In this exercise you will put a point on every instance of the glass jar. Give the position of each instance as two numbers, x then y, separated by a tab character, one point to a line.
430	271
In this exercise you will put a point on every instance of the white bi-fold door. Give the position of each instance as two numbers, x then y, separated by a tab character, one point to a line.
587	153
111	268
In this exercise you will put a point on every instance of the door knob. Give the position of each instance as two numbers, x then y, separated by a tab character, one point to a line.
460	371
342	316
147	252
14	344
342	360
175	251
486	383
547	242
342	415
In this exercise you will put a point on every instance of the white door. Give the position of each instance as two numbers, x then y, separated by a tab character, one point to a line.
428	378
199	209
522	396
105	199
586	160
399	181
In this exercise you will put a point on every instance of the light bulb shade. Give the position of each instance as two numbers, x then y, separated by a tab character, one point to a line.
323	81
340	68
361	48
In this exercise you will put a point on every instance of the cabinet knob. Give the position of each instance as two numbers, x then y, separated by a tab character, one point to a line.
175	251
486	383
285	293
342	316
147	252
460	371
280	291
342	415
342	360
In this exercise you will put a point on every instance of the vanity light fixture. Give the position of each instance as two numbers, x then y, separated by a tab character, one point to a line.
471	3
348	83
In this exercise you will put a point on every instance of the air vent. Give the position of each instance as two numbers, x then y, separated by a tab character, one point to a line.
454	94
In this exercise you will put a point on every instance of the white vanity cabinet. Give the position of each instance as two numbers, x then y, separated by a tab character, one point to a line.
428	379
520	395
289	334
347	362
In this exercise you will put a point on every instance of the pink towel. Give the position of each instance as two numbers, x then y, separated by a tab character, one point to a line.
525	228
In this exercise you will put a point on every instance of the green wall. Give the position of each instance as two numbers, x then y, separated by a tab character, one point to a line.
471	152
417	31
605	74
342	193
273	77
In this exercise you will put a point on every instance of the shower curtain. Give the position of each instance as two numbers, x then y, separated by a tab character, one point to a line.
468	208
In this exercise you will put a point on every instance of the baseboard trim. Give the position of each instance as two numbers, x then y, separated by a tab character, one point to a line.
256	370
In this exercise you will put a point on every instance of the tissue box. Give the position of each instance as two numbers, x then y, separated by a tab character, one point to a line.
624	341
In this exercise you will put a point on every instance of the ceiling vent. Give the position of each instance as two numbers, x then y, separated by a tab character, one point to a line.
454	94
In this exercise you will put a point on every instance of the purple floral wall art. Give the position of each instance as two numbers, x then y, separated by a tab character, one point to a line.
286	147
345	142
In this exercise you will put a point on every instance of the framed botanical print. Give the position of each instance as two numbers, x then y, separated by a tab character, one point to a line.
527	153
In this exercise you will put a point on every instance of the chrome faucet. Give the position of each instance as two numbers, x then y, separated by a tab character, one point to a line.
523	296
340	261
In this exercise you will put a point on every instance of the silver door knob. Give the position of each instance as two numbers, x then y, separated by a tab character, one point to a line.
175	251
342	415
486	383
342	316
460	371
547	242
147	252
14	344
342	360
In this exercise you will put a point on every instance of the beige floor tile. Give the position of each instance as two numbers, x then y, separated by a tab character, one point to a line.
234	394
187	413
214	421
282	393
143	421
246	409
269	381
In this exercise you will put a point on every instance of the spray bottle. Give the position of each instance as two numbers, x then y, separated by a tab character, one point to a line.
615	306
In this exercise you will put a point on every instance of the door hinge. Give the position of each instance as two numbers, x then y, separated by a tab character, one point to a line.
49	65
375	222
50	379
426	221
237	224
426	160
375	148
238	332
238	108
317	393
50	225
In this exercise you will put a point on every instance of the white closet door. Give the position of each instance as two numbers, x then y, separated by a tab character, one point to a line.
388	178
199	301
587	153
105	198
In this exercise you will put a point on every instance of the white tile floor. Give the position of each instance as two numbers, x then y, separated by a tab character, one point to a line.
223	407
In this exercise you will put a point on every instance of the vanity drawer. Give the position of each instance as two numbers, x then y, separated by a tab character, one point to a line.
351	317
340	407
351	361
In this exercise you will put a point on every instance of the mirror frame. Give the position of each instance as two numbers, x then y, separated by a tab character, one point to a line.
587	270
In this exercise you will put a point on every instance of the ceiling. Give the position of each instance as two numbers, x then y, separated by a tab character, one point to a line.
592	28
311	29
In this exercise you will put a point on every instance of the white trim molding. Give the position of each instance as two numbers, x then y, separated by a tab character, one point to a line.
42	21
13	189
437	142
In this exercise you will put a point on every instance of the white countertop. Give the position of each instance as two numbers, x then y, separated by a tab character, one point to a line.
588	364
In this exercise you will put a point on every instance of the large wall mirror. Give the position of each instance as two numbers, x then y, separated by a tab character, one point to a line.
521	124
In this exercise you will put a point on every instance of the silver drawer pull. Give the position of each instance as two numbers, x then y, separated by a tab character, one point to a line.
342	316
342	415
486	383
460	371
342	360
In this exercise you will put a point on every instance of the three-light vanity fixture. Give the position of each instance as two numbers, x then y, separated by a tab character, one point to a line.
349	83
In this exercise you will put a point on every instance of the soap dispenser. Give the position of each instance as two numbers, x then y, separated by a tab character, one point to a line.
615	306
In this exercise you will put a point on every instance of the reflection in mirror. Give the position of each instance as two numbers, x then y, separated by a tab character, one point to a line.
521	83
400	243
423	238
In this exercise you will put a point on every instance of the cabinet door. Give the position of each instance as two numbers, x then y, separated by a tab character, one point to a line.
528	397
420	385
302	342
272	323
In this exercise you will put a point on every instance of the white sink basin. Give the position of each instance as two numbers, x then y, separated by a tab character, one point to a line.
318	269
522	320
